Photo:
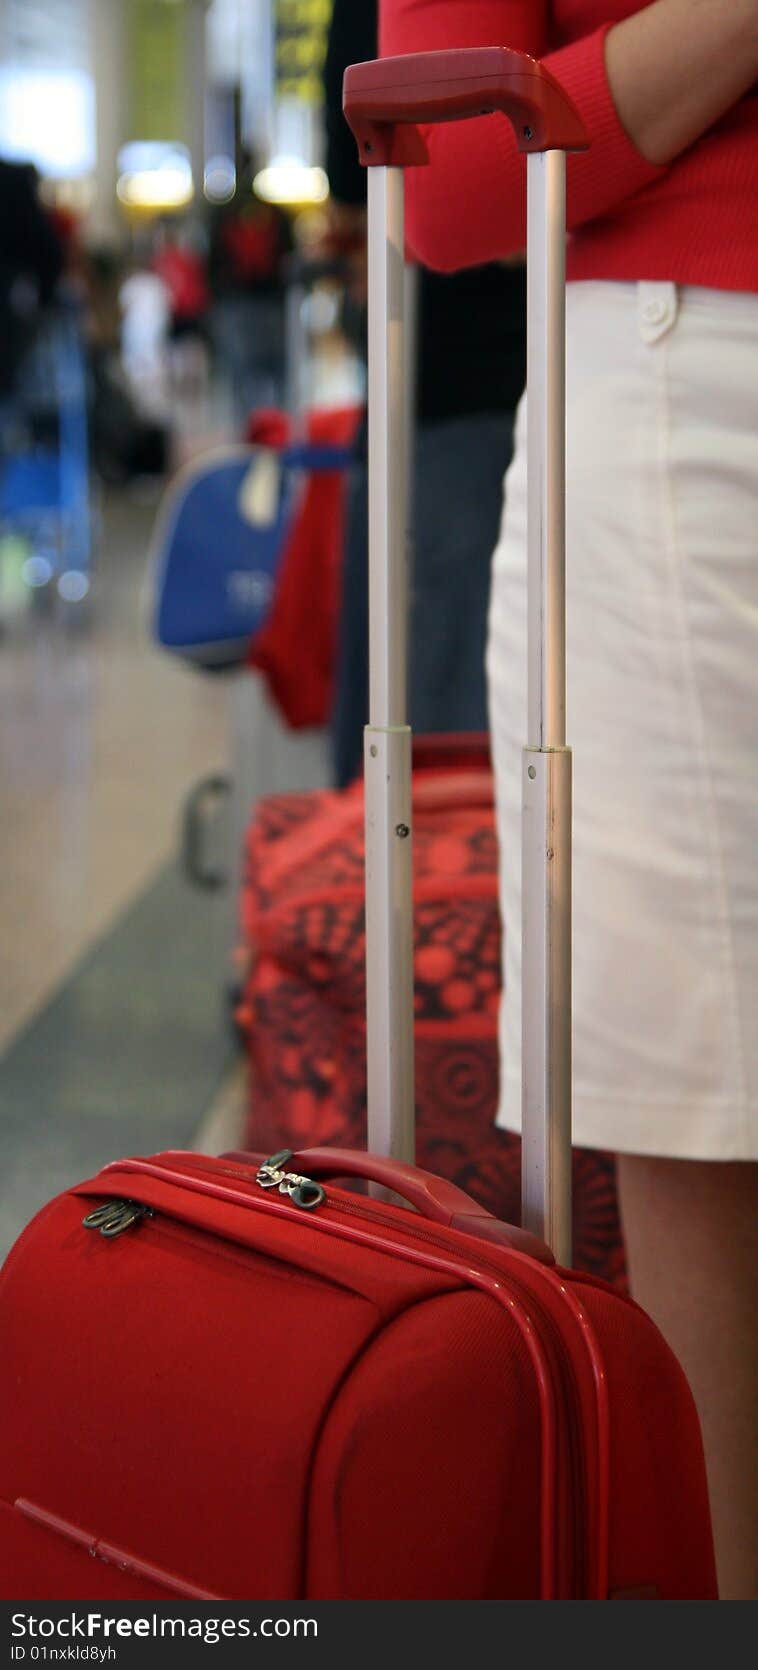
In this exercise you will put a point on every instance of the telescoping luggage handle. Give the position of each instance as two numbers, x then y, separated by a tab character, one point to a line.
383	101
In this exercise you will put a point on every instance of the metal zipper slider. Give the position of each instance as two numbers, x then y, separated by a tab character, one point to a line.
114	1216
272	1171
303	1191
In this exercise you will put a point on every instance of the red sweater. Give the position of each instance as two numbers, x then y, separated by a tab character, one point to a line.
692	222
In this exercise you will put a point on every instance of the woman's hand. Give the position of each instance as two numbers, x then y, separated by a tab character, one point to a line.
677	66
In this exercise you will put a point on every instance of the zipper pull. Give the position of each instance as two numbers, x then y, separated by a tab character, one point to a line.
114	1216
272	1171
303	1191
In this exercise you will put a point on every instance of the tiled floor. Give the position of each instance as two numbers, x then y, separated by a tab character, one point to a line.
101	737
114	1035
114	1027
105	1033
125	1057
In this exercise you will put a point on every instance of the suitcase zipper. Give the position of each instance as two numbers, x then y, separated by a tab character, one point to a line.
115	1216
303	1191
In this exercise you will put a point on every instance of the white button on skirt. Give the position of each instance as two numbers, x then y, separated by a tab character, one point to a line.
662	717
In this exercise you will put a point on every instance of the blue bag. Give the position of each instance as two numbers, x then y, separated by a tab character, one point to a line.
218	543
216	554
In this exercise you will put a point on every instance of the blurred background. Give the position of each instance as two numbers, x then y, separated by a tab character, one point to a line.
170	294
183	581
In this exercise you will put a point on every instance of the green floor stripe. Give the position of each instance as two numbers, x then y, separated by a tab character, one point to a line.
126	1056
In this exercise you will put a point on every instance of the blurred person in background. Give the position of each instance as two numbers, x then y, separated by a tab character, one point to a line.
249	243
181	265
145	303
470	358
31	262
662	597
126	440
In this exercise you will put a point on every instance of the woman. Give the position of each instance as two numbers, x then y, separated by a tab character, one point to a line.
470	372
662	585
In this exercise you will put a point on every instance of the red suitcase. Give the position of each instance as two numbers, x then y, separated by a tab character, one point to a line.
303	1009
227	1382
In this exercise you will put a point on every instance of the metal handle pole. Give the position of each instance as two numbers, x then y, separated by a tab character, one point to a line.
387	744
546	827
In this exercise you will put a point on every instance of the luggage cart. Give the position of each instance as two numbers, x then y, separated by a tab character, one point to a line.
215	567
267	754
45	484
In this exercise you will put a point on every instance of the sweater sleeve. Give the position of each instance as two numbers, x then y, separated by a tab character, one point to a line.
469	205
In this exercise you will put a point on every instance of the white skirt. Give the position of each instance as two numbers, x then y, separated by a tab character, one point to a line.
662	717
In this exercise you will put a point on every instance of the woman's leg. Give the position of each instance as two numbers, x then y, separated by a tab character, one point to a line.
458	479
691	1229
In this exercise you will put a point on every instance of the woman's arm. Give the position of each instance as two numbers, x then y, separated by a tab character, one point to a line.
646	88
675	67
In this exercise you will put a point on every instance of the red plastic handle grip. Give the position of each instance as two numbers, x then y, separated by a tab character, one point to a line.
433	1197
384	99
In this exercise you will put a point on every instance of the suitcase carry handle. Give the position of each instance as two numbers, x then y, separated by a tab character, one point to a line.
433	1197
382	100
391	94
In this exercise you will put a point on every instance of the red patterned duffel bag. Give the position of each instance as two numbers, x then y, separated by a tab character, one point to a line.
303	1010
